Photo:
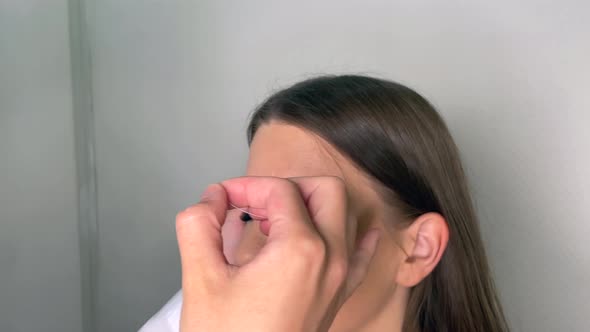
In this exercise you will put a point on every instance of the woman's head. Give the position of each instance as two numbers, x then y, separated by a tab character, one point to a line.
404	176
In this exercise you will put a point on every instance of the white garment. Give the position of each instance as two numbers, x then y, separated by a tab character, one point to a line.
167	319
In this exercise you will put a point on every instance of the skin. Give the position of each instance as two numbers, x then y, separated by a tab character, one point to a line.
406	252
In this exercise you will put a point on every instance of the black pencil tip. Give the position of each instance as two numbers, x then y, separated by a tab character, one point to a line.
245	217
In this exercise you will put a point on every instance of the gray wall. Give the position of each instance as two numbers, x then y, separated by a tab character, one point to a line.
167	123
173	82
39	260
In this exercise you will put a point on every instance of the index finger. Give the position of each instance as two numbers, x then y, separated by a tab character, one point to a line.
279	200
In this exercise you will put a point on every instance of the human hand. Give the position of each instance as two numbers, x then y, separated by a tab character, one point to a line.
299	279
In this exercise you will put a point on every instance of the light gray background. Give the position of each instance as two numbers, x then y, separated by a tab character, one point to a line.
172	85
39	260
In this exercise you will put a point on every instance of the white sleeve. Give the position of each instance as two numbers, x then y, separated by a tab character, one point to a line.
167	319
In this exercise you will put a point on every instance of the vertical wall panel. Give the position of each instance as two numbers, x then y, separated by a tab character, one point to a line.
39	260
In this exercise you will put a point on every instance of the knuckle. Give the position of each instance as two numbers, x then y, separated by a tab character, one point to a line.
305	251
194	212
339	271
181	219
311	249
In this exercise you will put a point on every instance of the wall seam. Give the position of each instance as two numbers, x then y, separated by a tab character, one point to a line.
84	140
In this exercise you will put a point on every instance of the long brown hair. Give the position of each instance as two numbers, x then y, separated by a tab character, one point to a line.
398	138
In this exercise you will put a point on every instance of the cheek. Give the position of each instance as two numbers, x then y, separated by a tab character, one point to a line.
388	256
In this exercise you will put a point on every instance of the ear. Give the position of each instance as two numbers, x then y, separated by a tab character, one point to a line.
425	240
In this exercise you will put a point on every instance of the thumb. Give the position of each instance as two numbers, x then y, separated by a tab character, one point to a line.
361	259
198	232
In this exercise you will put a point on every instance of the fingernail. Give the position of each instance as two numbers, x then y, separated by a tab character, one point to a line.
211	191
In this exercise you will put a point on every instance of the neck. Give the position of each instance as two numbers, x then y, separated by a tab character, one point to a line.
391	317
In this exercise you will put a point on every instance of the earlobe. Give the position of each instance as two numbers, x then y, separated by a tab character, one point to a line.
425	241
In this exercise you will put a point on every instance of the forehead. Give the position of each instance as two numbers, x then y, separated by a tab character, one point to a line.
283	150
